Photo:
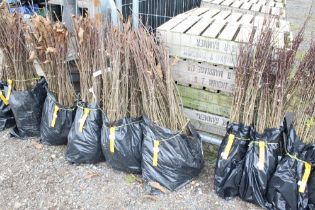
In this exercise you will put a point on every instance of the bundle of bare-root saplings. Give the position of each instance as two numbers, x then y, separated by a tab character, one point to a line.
84	140
6	115
26	93
292	185
256	161
49	43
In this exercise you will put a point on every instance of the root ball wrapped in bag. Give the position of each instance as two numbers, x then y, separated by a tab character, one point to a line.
260	163
170	158
84	139
122	143
230	161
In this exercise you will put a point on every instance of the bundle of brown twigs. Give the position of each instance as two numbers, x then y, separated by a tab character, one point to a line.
302	97
49	43
89	44
13	44
138	80
263	80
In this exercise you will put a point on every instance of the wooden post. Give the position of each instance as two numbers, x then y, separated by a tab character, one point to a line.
135	13
69	9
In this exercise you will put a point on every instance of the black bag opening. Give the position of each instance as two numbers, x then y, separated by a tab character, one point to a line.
260	163
170	158
230	161
27	109
122	143
84	139
56	122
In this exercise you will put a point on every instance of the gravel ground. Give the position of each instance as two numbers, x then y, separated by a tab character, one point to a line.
33	176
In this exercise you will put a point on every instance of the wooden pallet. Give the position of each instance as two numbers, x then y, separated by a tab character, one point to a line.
207	122
214	36
254	7
203	75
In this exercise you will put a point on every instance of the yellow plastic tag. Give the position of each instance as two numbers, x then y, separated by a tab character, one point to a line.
112	133
55	115
5	101
156	150
9	89
261	163
86	113
305	177
228	147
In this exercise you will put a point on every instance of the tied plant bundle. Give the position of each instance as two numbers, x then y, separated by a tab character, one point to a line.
49	43
17	67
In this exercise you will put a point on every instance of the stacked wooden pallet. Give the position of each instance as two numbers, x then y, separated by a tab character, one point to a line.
204	44
254	7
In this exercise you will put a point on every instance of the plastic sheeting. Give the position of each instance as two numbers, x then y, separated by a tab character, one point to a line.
27	109
230	161
122	143
6	116
288	186
169	158
56	122
84	139
260	163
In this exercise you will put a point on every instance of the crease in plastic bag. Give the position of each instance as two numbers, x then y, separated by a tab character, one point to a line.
6	116
260	163
56	122
288	185
122	143
84	139
230	161
311	191
27	109
169	158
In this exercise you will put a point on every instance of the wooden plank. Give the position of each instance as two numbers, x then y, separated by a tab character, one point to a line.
173	22
256	7
246	19
206	20
186	24
214	29
203	117
205	96
244	34
204	75
246	6
206	107
237	4
199	11
208	128
229	31
234	17
227	2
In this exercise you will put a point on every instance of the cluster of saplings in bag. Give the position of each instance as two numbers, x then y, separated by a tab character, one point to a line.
127	113
130	115
260	159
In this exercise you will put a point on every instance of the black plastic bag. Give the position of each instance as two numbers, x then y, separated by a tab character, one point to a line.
56	122
230	161
286	189
169	158
311	191
260	163
122	143
84	139
27	109
6	116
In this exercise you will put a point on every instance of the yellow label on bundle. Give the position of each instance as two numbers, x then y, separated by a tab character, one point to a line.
261	163
309	123
306	175
228	147
86	113
156	150
9	89
5	101
112	134
55	115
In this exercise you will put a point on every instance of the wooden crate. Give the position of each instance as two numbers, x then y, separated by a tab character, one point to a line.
203	75
214	36
209	102
207	122
254	7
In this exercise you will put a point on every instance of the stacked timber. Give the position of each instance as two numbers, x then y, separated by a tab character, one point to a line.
203	44
254	7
